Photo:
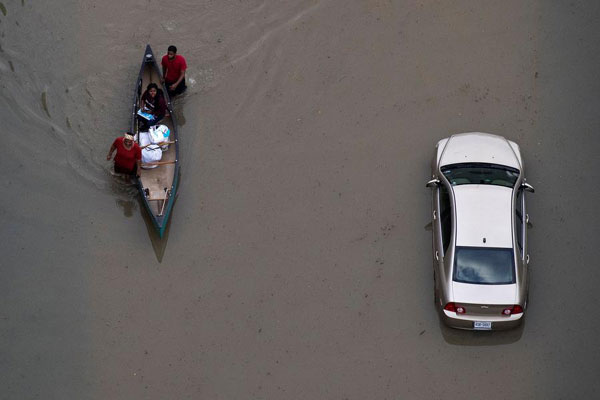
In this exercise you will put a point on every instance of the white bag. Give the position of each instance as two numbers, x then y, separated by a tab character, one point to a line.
144	139
160	133
151	154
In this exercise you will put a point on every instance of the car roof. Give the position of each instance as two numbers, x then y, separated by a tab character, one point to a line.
483	211
479	147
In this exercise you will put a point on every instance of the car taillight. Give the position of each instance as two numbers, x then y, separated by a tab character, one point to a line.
516	309
454	308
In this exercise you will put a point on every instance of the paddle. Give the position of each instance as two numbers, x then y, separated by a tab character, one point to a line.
158	163
158	144
164	202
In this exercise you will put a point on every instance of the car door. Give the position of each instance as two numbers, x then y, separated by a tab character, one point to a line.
436	225
442	230
521	222
525	226
521	236
445	217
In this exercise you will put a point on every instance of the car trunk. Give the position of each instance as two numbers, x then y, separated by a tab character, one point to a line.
484	299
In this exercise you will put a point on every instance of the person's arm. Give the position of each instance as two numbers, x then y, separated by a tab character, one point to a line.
161	107
142	99
138	160
164	70
110	152
183	67
178	81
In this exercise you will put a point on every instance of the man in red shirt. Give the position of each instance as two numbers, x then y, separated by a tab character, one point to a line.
174	67
128	157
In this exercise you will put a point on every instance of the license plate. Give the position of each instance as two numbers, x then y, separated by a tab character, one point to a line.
482	325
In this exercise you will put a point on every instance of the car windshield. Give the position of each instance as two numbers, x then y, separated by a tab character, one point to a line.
480	174
484	266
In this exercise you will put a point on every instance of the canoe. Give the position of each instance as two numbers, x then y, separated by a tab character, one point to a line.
158	185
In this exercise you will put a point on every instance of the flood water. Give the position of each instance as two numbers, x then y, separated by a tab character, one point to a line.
297	264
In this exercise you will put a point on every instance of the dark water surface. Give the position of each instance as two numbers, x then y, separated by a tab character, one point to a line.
296	265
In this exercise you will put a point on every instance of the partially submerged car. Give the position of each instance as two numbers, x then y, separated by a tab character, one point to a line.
479	224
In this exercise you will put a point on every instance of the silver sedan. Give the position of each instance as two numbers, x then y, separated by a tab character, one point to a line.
479	221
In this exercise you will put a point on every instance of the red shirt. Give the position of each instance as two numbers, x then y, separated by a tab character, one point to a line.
173	67
126	158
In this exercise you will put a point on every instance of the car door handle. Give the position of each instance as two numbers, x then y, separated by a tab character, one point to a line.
434	215
437	256
527	259
526	218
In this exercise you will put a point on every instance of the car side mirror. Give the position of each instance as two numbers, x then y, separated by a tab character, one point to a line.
433	183
526	186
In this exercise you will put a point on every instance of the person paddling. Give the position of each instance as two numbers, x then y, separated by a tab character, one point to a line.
174	66
129	155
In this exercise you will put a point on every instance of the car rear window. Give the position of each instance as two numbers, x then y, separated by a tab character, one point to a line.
480	174
484	266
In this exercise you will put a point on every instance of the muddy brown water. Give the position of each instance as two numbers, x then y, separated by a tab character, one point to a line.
297	264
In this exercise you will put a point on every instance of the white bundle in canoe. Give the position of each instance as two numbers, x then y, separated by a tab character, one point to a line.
152	152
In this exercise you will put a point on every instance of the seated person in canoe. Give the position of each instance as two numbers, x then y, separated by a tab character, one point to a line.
153	106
